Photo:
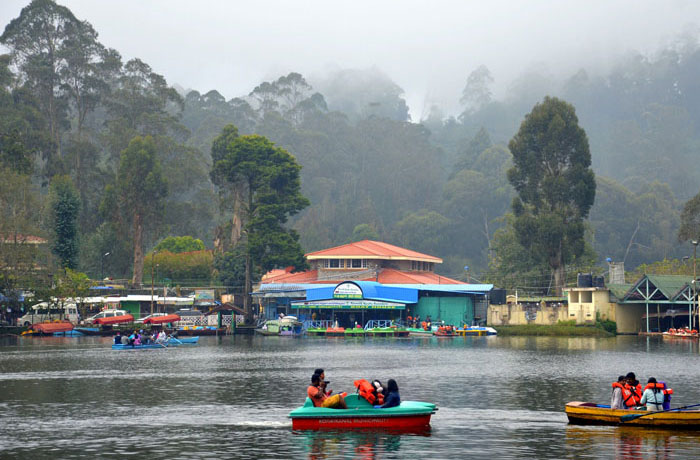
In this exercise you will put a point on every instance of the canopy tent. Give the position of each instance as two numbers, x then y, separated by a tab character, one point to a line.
162	319
115	320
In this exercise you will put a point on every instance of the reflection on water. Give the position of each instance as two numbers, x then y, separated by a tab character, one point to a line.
364	444
498	397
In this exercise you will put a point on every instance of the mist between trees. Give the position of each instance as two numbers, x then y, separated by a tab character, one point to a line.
128	160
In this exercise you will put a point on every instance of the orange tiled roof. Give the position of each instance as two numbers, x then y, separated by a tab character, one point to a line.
392	276
284	276
386	276
369	249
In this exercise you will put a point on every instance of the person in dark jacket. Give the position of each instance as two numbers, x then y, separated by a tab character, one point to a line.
391	395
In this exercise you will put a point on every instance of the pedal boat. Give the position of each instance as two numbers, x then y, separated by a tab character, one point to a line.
360	414
585	413
171	342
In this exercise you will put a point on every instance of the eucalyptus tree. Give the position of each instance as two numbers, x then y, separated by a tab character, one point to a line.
264	180
555	184
65	207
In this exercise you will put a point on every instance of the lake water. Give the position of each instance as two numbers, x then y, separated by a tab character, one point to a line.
498	397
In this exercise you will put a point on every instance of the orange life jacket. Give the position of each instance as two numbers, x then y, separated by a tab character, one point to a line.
659	386
632	395
366	390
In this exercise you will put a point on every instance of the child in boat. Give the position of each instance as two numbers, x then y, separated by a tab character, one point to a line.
616	401
653	397
319	397
391	397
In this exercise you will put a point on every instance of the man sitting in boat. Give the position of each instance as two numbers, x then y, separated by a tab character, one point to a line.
633	395
118	338
317	392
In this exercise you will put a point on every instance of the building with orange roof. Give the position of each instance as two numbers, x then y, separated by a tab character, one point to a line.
390	284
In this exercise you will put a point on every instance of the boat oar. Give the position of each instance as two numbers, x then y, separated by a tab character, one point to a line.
629	417
176	340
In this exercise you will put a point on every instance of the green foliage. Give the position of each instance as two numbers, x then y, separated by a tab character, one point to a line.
364	232
266	178
557	330
179	267
21	220
65	206
230	269
690	220
555	185
177	244
664	267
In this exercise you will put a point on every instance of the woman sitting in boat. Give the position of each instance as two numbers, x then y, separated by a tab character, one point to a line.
391	395
318	395
653	395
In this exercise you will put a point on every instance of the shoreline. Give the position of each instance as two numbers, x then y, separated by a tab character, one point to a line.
555	330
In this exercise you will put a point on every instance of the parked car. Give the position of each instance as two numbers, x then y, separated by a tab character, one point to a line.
104	314
153	315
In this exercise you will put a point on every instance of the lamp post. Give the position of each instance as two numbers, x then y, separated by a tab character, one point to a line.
466	269
695	277
102	266
153	254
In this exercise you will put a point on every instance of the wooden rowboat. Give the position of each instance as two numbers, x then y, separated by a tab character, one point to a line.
585	413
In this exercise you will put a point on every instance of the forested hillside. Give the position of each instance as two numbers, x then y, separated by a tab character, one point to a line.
71	106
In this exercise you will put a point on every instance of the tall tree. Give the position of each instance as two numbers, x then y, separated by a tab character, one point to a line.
138	194
37	41
65	207
477	92
555	184
690	220
266	180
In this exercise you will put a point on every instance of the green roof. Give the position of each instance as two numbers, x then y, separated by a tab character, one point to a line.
618	291
669	285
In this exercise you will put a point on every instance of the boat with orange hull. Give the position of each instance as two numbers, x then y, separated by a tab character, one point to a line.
586	413
360	414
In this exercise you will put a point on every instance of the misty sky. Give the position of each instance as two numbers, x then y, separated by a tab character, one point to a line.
428	48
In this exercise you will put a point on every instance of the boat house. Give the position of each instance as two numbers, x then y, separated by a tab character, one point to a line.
371	281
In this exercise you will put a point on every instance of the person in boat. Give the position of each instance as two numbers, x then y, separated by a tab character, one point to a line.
391	396
118	338
616	401
634	394
162	337
320	398
653	396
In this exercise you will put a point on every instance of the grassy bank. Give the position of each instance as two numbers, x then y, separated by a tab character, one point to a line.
557	330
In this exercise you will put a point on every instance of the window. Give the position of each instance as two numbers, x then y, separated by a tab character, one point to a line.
364	263
356	263
413	265
334	263
586	297
325	263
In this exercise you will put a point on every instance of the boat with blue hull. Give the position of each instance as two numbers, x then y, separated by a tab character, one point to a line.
171	342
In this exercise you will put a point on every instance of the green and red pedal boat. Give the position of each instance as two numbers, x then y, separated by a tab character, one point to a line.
360	414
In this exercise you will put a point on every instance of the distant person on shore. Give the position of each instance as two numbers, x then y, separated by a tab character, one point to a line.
391	395
319	397
616	401
653	396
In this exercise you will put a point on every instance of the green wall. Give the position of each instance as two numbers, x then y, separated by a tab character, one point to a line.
455	311
132	307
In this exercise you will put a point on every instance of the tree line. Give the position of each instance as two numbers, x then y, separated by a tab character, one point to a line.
102	156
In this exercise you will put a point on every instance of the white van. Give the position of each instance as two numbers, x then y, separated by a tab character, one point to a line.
42	312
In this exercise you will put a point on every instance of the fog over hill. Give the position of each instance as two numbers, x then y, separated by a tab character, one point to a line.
427	48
